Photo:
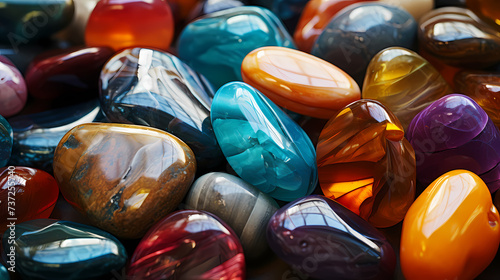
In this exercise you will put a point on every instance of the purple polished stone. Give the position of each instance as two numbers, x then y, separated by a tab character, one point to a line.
321	238
13	93
455	133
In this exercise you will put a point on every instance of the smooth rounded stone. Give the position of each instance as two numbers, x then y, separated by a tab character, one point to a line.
314	18
4	274
459	38
75	32
366	164
26	194
26	21
354	36
262	144
215	45
74	72
299	82
188	244
121	24
484	88
178	102
317	230
454	132
36	136
452	230
416	8
50	249
487	10
13	93
242	206
124	178
6	141
404	82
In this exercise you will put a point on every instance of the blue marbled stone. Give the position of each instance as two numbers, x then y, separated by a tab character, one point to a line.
354	36
51	249
154	88
6	141
216	44
36	136
4	274
262	144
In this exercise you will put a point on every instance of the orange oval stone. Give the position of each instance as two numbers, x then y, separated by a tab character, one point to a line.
299	82
451	231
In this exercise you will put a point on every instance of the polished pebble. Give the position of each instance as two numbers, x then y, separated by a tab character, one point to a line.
242	206
52	250
299	82
6	141
4	274
452	230
262	144
123	178
13	92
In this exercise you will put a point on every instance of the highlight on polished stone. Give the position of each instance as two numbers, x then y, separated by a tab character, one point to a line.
299	82
6	141
343	246
188	244
13	92
262	144
366	164
404	82
242	206
51	249
154	88
123	178
452	230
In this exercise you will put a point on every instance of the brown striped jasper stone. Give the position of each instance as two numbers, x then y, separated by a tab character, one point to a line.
124	178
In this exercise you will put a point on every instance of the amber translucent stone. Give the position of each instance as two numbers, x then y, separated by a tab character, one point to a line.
484	88
130	23
299	82
404	82
487	10
451	231
366	164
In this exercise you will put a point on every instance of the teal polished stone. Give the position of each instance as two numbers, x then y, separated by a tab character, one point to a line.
51	249
4	275
262	144
25	21
6	141
216	44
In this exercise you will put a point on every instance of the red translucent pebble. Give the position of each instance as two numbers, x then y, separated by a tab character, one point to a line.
13	93
26	194
121	24
188	244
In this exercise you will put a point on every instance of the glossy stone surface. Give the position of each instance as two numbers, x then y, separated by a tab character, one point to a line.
122	24
211	6
50	249
23	22
75	32
454	132
178	102
124	178
452	230
216	44
13	93
356	35
404	82
318	230
416	8
242	206
4	275
72	72
484	88
6	140
26	194
262	144
366	164
314	18
299	82
487	10
457	37
36	136
188	244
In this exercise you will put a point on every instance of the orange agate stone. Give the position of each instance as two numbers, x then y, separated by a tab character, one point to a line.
366	164
121	24
451	231
487	10
299	82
